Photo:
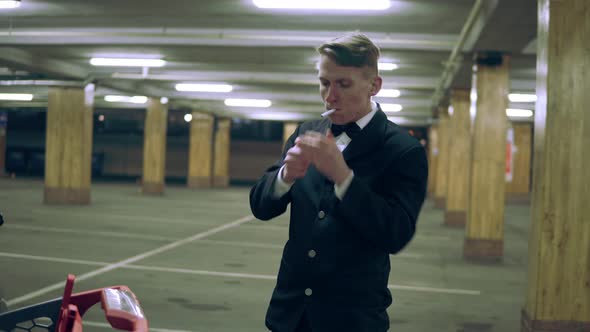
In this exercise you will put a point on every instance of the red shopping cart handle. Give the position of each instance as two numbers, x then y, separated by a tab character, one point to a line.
122	310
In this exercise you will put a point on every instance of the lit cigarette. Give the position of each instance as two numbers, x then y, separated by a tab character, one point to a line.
326	113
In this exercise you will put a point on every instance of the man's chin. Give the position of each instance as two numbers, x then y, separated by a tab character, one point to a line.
338	118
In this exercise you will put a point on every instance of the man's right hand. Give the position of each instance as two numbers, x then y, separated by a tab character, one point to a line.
296	164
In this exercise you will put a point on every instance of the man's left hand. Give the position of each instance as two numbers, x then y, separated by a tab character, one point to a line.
326	156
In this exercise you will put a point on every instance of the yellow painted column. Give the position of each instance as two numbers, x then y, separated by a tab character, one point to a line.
3	126
558	291
484	236
68	146
518	183
432	158
442	167
459	160
200	151
221	154
154	147
288	130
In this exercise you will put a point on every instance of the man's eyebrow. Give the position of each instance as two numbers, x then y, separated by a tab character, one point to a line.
342	79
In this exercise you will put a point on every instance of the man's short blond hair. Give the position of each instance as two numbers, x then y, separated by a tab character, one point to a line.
352	50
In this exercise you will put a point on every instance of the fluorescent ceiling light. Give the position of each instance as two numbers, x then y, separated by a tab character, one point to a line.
164	100
9	4
519	113
387	66
126	62
393	93
324	4
16	96
199	87
391	107
248	102
522	98
275	116
188	117
126	99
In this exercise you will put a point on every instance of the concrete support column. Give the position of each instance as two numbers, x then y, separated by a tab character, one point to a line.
518	183
442	167
433	148
68	146
459	160
154	147
221	154
200	151
558	292
288	130
3	126
484	237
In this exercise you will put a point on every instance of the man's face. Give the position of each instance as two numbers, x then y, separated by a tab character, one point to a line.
348	90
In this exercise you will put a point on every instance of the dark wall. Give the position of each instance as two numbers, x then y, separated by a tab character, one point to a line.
118	144
123	155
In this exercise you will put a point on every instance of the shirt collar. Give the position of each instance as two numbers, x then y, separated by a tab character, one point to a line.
362	122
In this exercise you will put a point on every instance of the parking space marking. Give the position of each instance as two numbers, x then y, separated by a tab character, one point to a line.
130	260
424	289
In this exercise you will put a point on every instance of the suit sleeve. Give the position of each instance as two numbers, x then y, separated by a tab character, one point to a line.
263	204
388	219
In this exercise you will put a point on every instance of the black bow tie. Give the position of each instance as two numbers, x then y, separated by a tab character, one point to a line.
351	129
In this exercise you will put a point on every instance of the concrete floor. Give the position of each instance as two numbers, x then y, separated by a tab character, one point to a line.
197	260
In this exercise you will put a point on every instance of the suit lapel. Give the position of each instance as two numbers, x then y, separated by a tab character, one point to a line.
370	138
313	183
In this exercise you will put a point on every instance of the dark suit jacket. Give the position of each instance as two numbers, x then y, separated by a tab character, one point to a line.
348	270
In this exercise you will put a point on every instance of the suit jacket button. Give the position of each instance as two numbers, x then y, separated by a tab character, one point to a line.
308	291
321	214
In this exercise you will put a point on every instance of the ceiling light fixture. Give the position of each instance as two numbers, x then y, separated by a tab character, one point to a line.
323	4
248	102
518	113
522	98
201	87
391	107
387	66
9	4
392	93
126	99
16	96
127	62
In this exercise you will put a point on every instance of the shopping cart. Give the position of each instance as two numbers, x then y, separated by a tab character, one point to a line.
122	311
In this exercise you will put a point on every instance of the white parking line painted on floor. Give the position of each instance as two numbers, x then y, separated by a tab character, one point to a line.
435	290
106	215
244	244
152	329
203	272
88	232
424	289
266	227
52	259
130	260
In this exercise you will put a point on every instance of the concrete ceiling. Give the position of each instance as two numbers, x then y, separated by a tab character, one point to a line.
263	53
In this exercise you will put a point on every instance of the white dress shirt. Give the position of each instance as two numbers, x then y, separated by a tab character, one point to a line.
342	141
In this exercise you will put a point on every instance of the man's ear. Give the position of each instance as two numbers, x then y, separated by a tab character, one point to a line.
376	86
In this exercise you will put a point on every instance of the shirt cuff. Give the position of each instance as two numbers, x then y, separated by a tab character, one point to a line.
281	187
340	190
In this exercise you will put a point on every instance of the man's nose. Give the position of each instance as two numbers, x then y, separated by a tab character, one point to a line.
331	96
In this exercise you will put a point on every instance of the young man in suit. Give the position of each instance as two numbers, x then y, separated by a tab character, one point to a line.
356	183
